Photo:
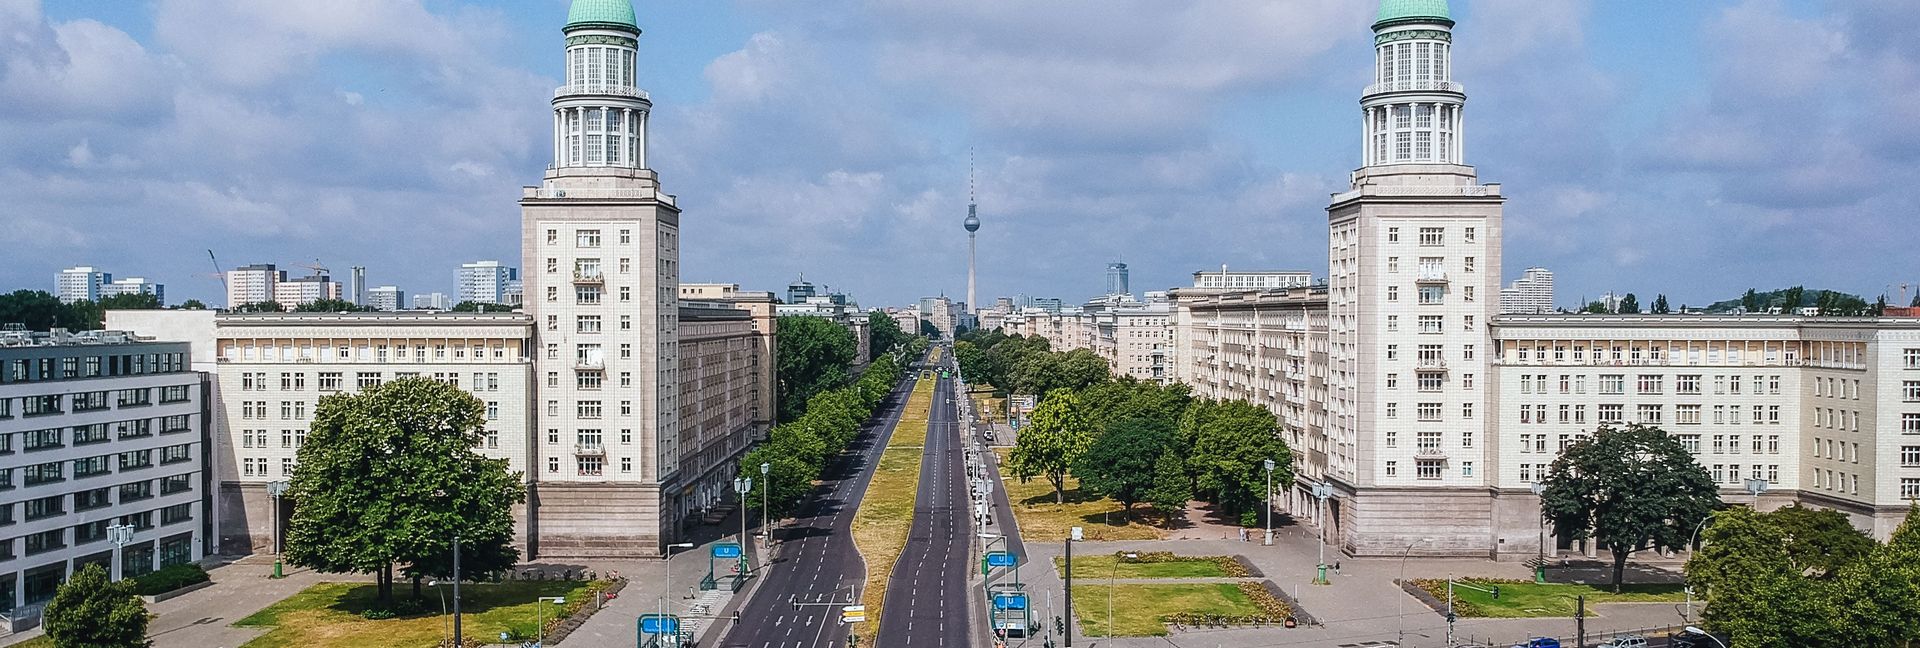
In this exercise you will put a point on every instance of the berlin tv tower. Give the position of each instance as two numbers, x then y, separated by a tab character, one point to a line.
973	225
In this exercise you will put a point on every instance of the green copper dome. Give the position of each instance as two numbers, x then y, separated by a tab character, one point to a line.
1398	11
602	13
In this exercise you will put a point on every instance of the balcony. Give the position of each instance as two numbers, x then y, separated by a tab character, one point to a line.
1430	453
588	277
590	364
1431	276
1432	363
590	449
1414	86
599	89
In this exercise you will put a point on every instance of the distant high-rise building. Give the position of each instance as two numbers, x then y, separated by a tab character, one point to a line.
357	285
1117	279
251	284
941	312
80	283
386	298
1048	304
1531	294
305	290
486	281
135	286
515	294
434	301
799	291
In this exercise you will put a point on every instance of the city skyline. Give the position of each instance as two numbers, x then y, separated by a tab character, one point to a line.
1230	164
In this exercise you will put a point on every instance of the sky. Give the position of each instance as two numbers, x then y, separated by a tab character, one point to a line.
1691	148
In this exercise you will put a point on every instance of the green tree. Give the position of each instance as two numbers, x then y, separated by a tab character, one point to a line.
1660	305
883	333
788	481
1630	489
1753	302
1752	592
974	366
88	611
1877	599
1819	542
1129	397
1054	442
1120	462
927	329
1172	488
812	356
39	310
268	306
1595	308
1230	443
471	306
130	301
390	475
1879	306
192	304
1792	298
1629	305
330	306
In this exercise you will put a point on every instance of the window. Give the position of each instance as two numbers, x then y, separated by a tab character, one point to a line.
1393	438
1393	264
626	464
136	459
1393	236
329	381
1393	293
1393	469
1393	381
46	541
90	466
1432	323
176	484
1686	414
144	489
176	513
586	295
1432	381
1912	358
588	409
1686	384
1433	236
1393	352
1393	323
1428	411
1526	472
178	393
1427	469
1651	384
1466	381
45	507
1613	384
1613	413
1393	410
367	380
1691	442
1910	423
1432	295
586	238
588	324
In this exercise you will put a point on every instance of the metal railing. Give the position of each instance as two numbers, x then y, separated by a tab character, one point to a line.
1414	86
600	89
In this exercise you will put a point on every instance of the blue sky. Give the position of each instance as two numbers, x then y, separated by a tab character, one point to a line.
1689	148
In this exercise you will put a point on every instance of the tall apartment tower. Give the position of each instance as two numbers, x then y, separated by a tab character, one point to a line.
80	283
1414	279
601	280
1117	279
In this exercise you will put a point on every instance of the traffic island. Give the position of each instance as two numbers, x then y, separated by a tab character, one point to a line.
1155	610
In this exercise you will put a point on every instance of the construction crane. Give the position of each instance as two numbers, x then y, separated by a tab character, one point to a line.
221	274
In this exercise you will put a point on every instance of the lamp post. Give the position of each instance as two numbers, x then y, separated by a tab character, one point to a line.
540	619
666	578
435	584
120	535
276	489
1114	575
456	588
766	536
1268	538
742	486
1322	491
1540	572
1402	614
1072	536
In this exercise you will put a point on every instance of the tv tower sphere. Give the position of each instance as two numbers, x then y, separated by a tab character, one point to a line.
973	222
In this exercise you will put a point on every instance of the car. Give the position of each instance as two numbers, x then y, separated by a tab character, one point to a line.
1626	641
1539	642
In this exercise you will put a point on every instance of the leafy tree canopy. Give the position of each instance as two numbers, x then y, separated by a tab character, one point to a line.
1231	442
1120	461
90	612
1630	489
268	306
331	306
39	310
1053	443
471	306
130	301
811	357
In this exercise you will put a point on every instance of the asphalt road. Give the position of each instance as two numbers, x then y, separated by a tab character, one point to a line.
927	593
815	561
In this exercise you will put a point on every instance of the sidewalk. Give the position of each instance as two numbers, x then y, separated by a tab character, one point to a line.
647	590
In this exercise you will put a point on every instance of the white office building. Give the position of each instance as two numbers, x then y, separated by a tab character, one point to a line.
253	284
97	430
80	283
1531	294
386	298
135	286
433	302
488	282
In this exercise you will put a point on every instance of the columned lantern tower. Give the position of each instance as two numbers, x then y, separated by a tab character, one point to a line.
600	245
1412	109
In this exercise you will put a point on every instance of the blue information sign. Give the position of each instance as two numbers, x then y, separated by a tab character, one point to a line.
726	550
1010	601
655	624
1001	559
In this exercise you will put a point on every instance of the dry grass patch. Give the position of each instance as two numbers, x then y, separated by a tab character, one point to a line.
328	614
1041	520
885	516
1144	610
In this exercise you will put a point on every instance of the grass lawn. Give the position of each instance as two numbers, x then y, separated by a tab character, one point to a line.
1138	610
1524	599
328	615
885	517
1041	520
1107	566
37	642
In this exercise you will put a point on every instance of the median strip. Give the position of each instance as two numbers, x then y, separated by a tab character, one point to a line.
885	517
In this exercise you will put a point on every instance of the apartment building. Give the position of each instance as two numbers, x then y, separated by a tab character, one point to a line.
97	430
1531	294
135	286
1136	338
80	283
252	284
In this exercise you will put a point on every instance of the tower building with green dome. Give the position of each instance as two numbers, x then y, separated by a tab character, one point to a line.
1413	283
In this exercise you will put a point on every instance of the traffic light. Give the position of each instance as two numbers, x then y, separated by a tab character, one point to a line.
1496	592
1060	625
1450	618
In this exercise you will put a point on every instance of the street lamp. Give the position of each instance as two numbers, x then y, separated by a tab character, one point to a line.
1268	539
120	535
1695	630
1322	491
435	584
666	564
276	489
766	536
540	619
742	486
1402	615
1114	575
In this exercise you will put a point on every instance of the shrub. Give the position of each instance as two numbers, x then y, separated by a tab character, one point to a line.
169	578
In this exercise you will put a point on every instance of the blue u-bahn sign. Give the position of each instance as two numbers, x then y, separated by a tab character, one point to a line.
655	624
726	550
1001	559
1009	601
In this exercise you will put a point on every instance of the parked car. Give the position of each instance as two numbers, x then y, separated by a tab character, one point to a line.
1690	640
1626	641
1539	642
